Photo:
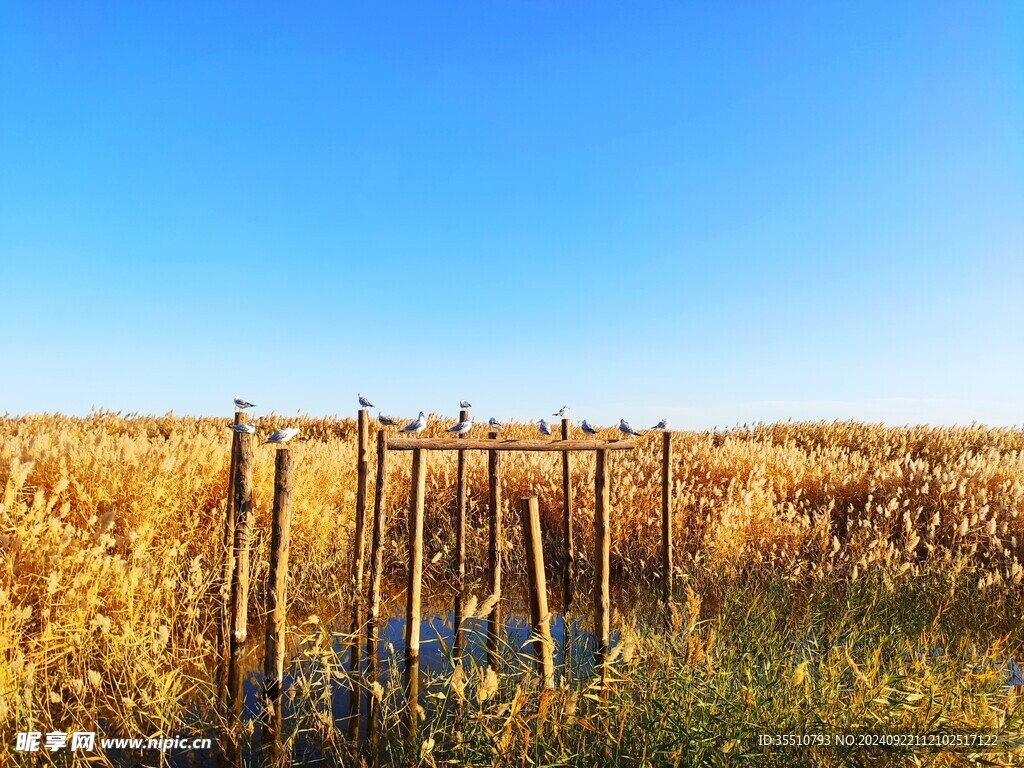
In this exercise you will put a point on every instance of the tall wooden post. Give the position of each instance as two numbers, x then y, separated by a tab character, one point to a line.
538	590
570	547
240	577
666	514
224	627
359	554
494	556
602	561
462	505
277	593
414	604
376	568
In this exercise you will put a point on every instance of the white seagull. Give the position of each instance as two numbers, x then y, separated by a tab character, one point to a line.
563	411
282	435
663	424
544	428
494	423
465	404
462	428
587	429
241	405
245	429
415	427
364	402
625	429
386	421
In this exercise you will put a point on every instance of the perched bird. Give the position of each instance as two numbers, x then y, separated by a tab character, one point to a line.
245	429
562	412
494	423
465	404
415	427
587	429
241	405
364	402
462	428
544	428
386	421
663	424
282	435
625	429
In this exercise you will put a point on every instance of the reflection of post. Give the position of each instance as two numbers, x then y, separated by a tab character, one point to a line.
602	557
414	603
666	514
227	573
359	554
494	556
538	590
462	503
240	578
376	564
277	599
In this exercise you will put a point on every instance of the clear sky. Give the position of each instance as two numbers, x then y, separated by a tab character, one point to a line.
716	212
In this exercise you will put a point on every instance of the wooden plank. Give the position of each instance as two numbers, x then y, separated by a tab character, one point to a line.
666	514
277	594
494	628
376	570
602	562
538	589
358	565
414	603
447	444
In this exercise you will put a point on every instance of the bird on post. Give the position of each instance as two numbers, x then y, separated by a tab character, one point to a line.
562	412
415	427
625	429
544	428
462	428
663	424
245	429
282	435
386	421
363	402
587	428
465	404
241	405
493	423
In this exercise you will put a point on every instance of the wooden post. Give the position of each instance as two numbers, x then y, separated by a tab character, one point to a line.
494	556
602	565
376	568
462	505
414	604
570	548
359	554
666	514
538	590
240	577
277	592
227	572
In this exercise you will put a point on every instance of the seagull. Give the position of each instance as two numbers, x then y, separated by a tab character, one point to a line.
241	405
544	428
494	423
282	435
663	424
364	402
587	429
245	429
465	404
415	427
386	421
462	428
625	429
563	411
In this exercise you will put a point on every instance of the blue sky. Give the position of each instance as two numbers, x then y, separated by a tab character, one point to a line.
718	213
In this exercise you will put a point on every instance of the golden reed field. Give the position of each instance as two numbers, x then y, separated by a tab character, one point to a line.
110	529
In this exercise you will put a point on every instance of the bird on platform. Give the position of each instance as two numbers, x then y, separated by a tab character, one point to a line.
282	435
625	429
241	405
587	429
562	412
415	427
245	429
364	402
544	428
663	424
494	423
462	428
386	421
465	404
